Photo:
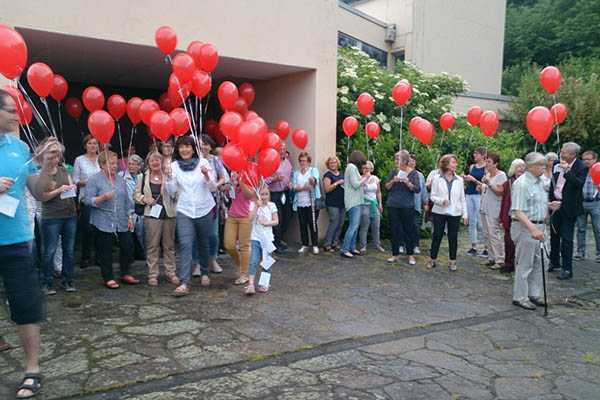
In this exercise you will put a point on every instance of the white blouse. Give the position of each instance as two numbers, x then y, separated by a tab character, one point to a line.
194	191
457	202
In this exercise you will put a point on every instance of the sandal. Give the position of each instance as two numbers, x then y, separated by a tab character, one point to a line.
242	280
34	387
262	289
392	260
130	280
431	264
346	254
112	284
327	248
356	253
174	280
152	282
181	291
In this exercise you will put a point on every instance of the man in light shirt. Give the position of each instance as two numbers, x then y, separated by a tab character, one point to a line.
591	207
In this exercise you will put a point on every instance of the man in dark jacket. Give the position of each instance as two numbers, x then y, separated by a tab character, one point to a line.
568	178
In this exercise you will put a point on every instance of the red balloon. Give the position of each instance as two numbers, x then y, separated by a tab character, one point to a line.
250	175
559	112
230	123
283	129
165	103
422	130
193	50
101	125
300	138
166	39
250	137
133	110
365	104
540	123
60	87
550	79
595	173
372	129
447	121
117	106
488	123
183	67
264	128
181	121
147	108
227	94
41	79
25	113
74	107
473	115
93	98
13	52
161	125
240	106
412	125
401	92
201	83
178	94
15	93
250	115
247	93
209	57
350	125
233	157
268	161
273	141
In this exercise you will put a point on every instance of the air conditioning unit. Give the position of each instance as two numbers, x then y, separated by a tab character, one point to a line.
390	33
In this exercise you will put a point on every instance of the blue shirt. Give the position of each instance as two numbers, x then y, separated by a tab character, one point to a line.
14	164
110	216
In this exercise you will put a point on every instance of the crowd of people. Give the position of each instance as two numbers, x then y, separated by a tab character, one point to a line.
181	205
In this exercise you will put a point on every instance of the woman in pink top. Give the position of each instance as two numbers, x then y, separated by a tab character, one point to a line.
238	228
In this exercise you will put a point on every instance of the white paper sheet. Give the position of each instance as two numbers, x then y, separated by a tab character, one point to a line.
155	211
8	205
69	194
265	279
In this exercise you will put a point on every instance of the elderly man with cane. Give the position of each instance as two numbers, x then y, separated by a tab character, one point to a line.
529	211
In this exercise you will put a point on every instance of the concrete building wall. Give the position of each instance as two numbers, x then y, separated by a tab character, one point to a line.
363	26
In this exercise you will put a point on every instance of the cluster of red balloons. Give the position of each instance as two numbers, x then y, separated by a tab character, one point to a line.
23	107
540	120
487	121
422	130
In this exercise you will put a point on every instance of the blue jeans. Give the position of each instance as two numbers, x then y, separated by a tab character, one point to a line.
352	232
190	230
213	250
52	230
139	232
473	203
337	216
591	208
255	257
367	220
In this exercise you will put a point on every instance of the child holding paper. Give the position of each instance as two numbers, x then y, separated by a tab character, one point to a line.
263	214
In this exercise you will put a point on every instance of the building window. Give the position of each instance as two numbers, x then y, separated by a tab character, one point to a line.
375	53
399	56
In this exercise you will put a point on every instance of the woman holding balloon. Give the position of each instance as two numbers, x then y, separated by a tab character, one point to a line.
305	182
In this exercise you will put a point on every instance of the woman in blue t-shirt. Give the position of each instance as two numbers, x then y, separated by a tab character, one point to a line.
476	173
334	200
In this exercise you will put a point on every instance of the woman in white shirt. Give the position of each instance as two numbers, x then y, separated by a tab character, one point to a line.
371	212
306	183
193	180
86	166
449	206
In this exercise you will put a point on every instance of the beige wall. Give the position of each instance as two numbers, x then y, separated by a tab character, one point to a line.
299	33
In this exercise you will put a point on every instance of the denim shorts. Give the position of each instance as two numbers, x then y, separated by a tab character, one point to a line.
21	284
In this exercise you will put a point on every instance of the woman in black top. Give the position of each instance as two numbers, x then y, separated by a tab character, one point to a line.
334	199
402	183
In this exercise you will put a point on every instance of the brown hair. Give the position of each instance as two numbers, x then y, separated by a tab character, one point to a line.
590	153
481	150
444	163
330	159
494	157
304	154
357	158
87	138
105	156
3	95
187	140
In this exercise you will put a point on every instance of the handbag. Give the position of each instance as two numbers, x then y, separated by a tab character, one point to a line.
140	208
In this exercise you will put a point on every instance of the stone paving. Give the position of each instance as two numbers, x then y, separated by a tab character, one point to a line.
330	328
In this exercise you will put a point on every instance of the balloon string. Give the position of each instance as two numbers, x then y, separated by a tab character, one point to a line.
36	113
401	120
535	148
133	130
193	115
60	125
45	103
121	139
556	120
348	149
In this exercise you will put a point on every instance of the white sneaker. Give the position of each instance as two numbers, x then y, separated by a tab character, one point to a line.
401	249
303	249
196	271
315	250
417	250
215	267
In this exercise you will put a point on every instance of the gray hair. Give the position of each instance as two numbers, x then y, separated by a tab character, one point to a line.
136	158
535	158
515	164
370	165
551	156
572	147
404	156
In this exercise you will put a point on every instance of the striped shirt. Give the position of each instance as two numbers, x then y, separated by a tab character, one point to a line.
529	196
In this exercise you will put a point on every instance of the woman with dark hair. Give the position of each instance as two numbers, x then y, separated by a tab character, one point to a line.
305	182
353	200
476	173
193	180
111	214
85	166
449	205
334	199
402	183
517	168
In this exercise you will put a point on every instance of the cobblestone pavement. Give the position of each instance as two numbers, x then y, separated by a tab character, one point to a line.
330	328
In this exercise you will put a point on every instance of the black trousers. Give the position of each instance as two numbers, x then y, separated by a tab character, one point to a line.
562	230
439	224
284	212
86	232
402	225
104	247
307	227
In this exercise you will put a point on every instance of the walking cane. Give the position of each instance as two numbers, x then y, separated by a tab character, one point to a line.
544	279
